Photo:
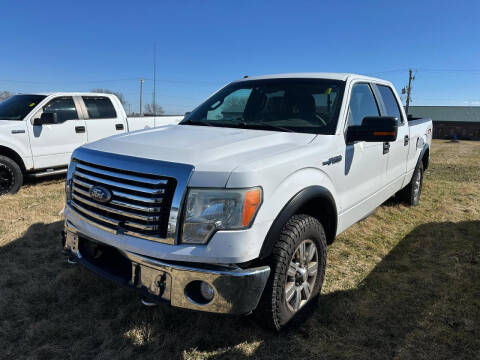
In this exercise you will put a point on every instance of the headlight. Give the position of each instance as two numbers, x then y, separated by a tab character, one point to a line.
208	210
69	180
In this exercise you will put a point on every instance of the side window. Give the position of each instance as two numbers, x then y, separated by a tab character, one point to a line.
99	107
64	107
391	105
362	104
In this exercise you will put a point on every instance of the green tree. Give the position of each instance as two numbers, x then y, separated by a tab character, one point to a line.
151	110
120	96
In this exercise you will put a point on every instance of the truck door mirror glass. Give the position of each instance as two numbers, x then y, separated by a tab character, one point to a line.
46	118
374	129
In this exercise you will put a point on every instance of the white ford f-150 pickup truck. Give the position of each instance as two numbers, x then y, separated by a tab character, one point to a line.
38	132
232	210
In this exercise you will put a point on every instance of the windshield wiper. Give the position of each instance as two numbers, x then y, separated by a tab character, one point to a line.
265	126
201	123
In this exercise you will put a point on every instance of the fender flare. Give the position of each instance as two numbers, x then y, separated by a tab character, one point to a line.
425	148
292	207
14	155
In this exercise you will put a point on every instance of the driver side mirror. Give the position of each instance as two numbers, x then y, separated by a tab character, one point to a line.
374	129
46	118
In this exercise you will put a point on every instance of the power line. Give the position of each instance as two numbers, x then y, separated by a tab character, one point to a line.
67	81
200	83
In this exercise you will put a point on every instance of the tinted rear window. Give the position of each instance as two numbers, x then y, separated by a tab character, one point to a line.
99	107
391	105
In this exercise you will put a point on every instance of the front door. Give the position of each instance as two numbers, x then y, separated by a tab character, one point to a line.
364	162
53	144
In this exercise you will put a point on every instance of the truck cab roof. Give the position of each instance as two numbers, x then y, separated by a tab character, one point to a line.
76	93
314	75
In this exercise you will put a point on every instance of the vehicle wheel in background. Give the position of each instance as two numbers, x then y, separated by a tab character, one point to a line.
411	193
298	271
11	176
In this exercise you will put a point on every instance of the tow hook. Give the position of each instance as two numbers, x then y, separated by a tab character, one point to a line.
63	238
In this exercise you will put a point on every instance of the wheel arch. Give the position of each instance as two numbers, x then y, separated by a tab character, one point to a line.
316	201
424	157
12	154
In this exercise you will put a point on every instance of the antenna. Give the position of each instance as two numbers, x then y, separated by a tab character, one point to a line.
154	79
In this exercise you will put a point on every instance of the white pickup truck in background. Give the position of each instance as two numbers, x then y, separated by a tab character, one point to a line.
38	132
231	211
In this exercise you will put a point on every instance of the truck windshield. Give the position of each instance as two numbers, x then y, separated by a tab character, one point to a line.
294	105
18	106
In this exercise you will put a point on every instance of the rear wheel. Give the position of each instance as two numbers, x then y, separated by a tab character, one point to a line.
411	193
298	270
11	176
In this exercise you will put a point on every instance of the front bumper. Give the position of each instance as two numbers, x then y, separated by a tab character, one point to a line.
236	290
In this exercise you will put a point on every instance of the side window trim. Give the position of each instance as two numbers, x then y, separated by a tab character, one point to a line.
81	107
379	99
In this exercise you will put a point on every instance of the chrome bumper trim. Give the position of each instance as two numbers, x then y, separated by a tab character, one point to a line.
237	290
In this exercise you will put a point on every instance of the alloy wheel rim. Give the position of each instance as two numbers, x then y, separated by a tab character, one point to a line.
417	185
301	275
6	178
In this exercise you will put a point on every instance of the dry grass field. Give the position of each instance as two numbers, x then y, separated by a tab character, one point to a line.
402	284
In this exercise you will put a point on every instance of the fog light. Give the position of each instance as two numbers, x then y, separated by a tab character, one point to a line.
199	292
207	291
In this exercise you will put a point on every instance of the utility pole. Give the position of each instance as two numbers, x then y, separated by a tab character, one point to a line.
408	90
141	94
154	79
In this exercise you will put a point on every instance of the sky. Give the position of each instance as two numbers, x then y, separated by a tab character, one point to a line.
202	45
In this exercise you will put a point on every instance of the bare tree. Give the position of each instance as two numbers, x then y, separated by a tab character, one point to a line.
120	96
4	95
151	109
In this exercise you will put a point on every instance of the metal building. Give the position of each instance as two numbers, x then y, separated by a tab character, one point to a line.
462	122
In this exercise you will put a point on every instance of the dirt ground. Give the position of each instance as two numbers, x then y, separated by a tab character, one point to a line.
402	284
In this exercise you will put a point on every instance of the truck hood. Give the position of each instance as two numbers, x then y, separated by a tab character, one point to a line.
212	150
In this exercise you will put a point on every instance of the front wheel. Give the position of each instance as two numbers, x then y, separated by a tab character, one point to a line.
298	270
11	176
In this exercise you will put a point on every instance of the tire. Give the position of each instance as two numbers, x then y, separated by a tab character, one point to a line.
291	285
411	193
11	176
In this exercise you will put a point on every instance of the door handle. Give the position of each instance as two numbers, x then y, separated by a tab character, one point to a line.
79	129
406	140
119	126
386	147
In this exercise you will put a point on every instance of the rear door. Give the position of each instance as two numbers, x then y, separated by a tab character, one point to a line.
102	118
397	150
53	144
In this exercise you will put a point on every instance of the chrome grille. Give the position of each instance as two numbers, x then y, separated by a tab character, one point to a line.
140	203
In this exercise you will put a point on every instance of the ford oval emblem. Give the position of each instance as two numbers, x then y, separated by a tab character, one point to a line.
100	194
